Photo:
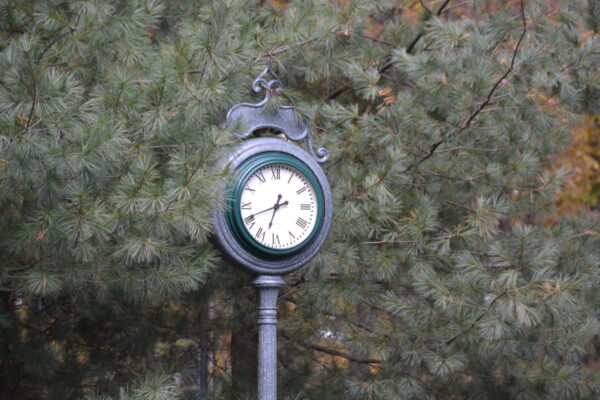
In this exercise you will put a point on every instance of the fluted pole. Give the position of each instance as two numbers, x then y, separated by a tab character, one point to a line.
268	290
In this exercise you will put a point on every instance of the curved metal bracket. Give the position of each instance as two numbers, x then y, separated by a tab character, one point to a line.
249	117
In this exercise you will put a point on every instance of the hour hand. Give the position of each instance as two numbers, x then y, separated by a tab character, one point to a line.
275	208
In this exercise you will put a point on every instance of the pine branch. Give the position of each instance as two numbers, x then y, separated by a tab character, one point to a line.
33	101
416	40
37	62
455	6
425	7
467	148
387	63
283	49
467	123
19	269
582	234
474	324
330	314
275	51
334	352
442	8
472	180
415	241
376	40
459	205
202	70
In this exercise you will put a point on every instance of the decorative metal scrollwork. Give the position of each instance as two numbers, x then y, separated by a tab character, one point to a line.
249	117
271	86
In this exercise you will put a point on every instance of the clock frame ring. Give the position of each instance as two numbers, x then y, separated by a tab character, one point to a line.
245	170
240	248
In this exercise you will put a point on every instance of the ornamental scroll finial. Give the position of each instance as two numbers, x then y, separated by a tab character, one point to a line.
271	86
248	117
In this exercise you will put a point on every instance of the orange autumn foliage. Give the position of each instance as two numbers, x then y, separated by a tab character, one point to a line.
583	158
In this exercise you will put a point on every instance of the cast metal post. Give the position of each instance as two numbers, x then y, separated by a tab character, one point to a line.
268	289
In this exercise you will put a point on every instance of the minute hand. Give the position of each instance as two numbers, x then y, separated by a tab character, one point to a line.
276	207
285	203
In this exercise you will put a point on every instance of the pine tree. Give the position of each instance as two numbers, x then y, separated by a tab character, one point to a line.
108	147
448	272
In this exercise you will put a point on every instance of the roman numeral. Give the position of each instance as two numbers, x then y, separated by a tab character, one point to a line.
248	219
300	190
275	239
246	206
305	206
291	176
260	177
301	223
292	236
250	189
275	173
260	235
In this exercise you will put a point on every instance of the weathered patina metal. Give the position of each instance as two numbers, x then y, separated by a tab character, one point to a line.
248	118
269	266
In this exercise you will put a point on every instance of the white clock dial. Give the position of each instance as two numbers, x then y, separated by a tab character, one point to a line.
278	206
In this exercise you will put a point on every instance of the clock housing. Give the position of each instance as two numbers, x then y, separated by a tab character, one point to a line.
240	245
313	213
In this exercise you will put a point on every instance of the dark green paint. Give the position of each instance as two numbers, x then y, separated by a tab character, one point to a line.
234	217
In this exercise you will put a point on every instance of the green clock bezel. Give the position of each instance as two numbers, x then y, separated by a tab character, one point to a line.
234	217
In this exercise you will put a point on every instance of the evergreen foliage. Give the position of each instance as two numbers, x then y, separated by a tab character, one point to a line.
448	272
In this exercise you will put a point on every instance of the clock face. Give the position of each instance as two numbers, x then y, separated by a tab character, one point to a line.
278	206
